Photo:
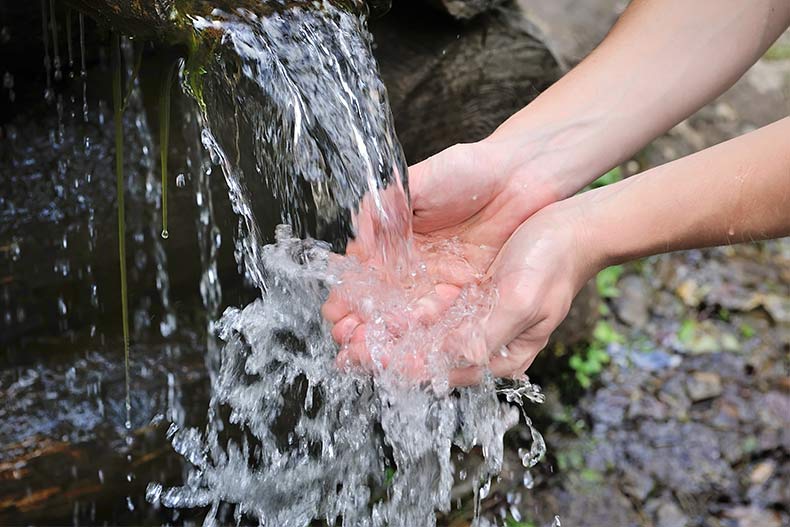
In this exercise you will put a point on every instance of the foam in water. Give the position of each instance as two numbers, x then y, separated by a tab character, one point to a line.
300	439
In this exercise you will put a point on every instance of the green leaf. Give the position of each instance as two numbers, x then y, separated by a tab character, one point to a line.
511	522
687	330
747	331
389	474
576	362
606	334
606	281
613	176
590	475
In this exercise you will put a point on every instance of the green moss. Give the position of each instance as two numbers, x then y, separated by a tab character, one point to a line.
201	52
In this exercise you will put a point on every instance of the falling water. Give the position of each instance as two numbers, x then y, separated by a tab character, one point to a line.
296	106
83	70
47	59
53	23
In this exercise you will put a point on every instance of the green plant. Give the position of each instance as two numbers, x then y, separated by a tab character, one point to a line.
589	363
512	522
688	329
606	281
779	51
613	176
389	475
747	331
118	108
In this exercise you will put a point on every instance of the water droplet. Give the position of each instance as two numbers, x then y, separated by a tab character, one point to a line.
181	180
165	234
529	481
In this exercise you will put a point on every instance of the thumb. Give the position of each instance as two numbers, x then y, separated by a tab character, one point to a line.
443	187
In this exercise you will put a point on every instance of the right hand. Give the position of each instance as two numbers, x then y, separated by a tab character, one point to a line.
467	193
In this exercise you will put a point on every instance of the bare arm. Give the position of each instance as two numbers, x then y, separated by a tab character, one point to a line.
661	62
735	192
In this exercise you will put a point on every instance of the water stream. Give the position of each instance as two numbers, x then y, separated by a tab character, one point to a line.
296	119
296	107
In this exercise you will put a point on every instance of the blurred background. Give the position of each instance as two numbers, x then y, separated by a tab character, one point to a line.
668	389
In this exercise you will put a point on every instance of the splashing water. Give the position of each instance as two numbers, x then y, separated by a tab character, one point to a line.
301	440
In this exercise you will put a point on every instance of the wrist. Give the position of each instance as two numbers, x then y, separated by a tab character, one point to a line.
560	155
585	245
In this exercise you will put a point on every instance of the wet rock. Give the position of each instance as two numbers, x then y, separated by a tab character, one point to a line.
609	407
637	484
726	415
774	409
667	305
777	492
632	304
691	292
762	472
599	504
673	394
655	360
685	457
703	385
647	406
754	517
670	515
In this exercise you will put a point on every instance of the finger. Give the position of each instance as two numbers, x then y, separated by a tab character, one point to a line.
469	376
335	308
354	353
450	269
431	306
342	331
511	365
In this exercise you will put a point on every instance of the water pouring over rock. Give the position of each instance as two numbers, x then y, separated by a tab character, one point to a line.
299	109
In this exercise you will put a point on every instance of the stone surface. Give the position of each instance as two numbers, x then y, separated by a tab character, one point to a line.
703	385
754	517
670	515
632	304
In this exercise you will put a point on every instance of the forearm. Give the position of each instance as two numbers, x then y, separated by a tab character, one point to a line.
660	63
735	192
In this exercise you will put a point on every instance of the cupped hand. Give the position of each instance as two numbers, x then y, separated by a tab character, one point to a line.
466	204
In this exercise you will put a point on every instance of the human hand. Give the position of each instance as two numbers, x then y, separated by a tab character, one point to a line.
467	201
507	314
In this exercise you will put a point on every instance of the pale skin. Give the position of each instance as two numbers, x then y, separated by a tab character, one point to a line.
537	242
